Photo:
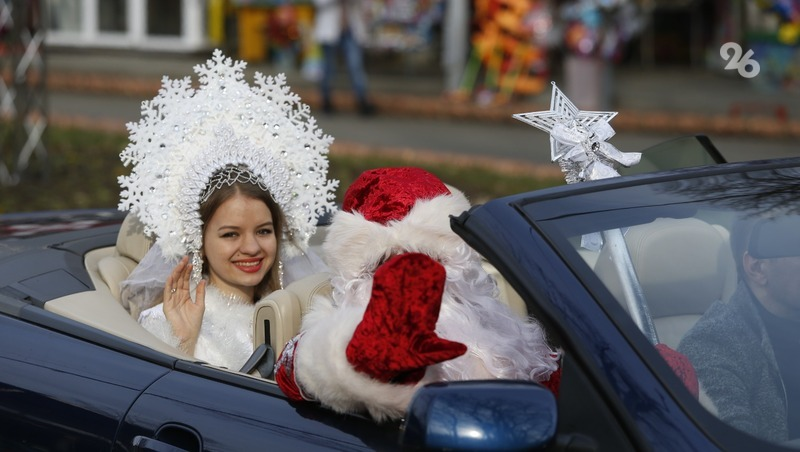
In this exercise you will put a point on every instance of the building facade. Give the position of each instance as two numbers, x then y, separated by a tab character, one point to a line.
169	25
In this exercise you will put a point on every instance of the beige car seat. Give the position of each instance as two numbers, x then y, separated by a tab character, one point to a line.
277	316
683	266
132	244
100	308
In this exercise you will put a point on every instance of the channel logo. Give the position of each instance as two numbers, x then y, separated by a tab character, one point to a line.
746	66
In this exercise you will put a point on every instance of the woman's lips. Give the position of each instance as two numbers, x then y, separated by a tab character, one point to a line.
249	265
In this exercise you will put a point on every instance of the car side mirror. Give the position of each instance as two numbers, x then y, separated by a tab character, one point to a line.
481	415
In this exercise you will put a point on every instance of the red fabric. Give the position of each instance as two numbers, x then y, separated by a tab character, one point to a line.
284	373
395	340
385	194
554	382
682	367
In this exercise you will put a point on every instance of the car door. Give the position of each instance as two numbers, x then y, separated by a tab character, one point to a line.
196	407
67	387
60	392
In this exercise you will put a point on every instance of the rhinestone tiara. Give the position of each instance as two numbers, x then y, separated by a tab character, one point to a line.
228	176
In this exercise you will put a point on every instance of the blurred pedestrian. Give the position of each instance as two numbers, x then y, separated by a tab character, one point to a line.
340	26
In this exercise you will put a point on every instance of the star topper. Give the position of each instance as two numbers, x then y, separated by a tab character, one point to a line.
578	139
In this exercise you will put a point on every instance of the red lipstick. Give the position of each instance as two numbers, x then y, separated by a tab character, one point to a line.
249	265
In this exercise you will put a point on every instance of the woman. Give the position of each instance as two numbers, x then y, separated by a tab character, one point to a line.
230	179
239	252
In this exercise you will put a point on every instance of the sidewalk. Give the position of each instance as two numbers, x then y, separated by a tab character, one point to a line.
663	100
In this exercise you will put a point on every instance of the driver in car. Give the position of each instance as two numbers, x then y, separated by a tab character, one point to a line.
745	350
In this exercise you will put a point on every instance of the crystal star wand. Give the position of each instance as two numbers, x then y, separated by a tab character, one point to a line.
578	144
578	139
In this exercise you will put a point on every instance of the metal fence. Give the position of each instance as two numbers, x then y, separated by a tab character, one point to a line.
23	114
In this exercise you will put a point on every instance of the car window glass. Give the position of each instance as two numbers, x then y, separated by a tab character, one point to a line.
682	152
669	263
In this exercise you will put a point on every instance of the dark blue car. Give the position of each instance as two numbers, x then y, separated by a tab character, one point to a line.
618	271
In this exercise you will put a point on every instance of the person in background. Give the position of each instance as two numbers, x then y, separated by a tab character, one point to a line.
339	26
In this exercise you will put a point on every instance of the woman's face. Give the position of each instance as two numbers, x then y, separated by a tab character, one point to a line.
239	245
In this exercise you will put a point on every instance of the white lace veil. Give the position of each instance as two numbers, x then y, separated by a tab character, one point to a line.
144	287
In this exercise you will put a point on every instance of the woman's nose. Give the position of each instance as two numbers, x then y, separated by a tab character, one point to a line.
249	244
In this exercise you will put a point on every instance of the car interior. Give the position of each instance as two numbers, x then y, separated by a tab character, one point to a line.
682	266
677	289
276	320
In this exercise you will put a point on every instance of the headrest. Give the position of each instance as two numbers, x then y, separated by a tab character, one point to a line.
131	241
309	287
680	264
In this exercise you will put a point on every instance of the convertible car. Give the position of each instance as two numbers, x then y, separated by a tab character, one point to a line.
618	270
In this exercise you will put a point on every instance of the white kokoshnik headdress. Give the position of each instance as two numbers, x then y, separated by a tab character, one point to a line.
190	142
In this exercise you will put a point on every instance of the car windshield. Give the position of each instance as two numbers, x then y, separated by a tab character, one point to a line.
707	268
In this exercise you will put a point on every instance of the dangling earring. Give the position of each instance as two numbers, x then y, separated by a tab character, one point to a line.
280	274
197	267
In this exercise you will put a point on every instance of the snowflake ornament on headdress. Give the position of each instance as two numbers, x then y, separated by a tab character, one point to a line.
578	139
190	142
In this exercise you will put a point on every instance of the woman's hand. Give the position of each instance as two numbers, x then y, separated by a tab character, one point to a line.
184	315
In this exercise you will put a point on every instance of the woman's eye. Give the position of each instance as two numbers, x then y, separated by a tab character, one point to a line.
265	231
228	234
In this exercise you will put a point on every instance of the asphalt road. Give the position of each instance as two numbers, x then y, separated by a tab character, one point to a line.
502	140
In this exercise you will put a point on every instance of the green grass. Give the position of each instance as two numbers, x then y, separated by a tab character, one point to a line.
82	167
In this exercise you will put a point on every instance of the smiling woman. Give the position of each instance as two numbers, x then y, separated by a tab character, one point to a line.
239	249
231	180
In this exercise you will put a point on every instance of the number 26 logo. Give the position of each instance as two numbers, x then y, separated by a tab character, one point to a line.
739	62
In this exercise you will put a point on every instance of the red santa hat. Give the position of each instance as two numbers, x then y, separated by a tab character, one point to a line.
387	211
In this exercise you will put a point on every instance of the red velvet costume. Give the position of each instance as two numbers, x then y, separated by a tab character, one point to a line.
411	305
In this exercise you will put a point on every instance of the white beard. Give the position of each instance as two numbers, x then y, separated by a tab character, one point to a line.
500	343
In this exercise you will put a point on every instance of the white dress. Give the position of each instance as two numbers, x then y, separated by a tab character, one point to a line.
226	334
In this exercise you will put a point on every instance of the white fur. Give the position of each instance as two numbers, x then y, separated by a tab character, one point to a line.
327	376
499	343
354	245
225	337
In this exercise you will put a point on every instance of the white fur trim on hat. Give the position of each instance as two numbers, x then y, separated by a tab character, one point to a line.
355	245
